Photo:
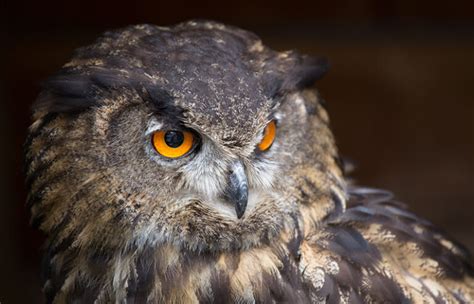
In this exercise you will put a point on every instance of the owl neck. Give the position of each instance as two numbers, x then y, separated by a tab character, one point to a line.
167	273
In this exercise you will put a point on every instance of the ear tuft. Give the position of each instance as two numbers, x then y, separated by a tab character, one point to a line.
305	72
291	71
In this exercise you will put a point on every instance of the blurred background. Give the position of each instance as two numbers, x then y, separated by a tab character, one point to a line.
400	93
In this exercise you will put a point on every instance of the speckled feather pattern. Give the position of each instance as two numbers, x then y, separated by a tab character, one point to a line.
124	225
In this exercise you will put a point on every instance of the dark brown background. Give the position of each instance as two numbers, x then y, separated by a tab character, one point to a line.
400	93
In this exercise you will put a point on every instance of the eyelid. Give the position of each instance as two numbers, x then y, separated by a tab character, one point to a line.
153	126
276	117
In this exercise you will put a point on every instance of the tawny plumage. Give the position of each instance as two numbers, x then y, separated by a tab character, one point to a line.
192	164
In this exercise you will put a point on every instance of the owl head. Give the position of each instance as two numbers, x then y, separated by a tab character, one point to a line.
195	135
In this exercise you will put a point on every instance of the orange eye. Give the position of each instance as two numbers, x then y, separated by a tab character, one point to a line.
172	144
268	136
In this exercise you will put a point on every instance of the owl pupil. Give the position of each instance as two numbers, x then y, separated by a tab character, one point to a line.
174	139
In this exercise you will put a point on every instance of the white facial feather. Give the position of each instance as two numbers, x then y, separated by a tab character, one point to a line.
207	172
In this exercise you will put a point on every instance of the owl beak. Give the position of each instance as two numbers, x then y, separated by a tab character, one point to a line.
237	189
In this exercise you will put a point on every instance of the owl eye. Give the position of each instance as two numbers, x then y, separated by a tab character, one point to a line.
172	143
268	136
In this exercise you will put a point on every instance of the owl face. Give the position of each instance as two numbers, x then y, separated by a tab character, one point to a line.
195	135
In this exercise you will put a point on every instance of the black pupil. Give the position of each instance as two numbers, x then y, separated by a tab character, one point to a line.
174	139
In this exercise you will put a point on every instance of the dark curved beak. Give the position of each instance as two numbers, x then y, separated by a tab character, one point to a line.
237	188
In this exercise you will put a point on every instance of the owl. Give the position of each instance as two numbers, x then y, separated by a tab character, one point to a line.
193	164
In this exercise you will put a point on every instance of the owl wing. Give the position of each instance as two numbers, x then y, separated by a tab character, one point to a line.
379	252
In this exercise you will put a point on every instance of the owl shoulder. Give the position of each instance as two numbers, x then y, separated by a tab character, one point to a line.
378	251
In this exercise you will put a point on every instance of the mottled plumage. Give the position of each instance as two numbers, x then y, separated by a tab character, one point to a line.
126	225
